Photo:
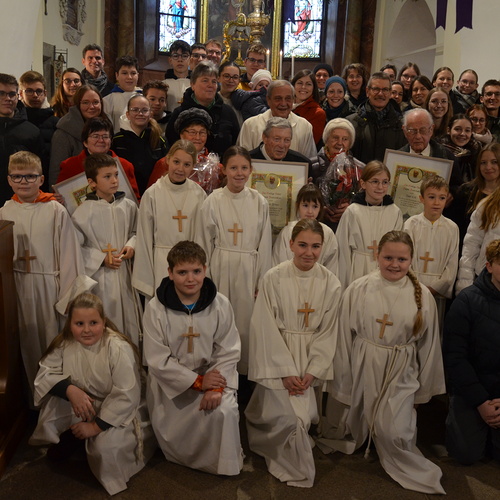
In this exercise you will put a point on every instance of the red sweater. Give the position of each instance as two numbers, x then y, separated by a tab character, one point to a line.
74	166
315	115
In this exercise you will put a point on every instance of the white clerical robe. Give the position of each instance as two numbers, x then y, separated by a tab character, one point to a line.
100	224
359	228
109	372
282	345
54	274
237	260
158	231
329	256
176	89
250	135
204	440
381	379
115	105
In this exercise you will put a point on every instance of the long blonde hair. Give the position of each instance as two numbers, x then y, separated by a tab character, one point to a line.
491	210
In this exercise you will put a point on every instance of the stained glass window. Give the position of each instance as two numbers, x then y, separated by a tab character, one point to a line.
177	22
303	26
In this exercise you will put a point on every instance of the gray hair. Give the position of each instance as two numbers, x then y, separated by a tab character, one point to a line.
412	113
339	123
379	75
278	83
204	68
276	122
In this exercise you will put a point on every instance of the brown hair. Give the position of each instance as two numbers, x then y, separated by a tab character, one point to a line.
433	181
59	102
186	251
186	146
307	72
310	193
404	237
257	48
156	131
372	168
93	163
31	77
493	251
443	127
478	182
155	84
23	160
236	151
307	225
490	214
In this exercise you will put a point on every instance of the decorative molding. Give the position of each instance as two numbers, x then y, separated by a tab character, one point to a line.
73	16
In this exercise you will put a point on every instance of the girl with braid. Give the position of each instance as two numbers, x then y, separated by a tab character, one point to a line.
388	360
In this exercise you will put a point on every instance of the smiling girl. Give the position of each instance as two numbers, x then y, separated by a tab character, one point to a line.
235	231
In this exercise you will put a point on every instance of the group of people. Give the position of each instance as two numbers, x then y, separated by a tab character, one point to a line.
345	307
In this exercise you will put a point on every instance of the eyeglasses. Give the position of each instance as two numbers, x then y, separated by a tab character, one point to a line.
378	90
227	76
87	104
194	133
10	95
69	81
182	56
421	131
252	60
478	120
30	178
407	77
197	55
379	183
100	137
140	111
491	94
38	92
212	52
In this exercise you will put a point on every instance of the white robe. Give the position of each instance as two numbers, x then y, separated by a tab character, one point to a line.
158	232
109	373
56	276
359	227
204	440
302	133
176	89
473	257
329	256
115	105
380	379
100	223
237	269
281	346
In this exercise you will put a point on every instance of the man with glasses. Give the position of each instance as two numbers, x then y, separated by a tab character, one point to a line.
214	51
377	122
490	98
177	77
16	132
255	60
94	73
198	54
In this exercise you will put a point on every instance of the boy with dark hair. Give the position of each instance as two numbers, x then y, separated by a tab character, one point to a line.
254	61
177	77
156	92
106	222
198	54
192	346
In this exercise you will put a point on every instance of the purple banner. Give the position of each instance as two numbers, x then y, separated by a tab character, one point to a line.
464	14
441	8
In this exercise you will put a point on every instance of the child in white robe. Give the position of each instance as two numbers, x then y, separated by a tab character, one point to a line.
89	388
388	359
235	232
292	345
48	264
309	205
435	242
168	214
370	215
106	223
191	347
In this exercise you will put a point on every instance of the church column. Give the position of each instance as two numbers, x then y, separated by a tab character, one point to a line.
126	28
352	40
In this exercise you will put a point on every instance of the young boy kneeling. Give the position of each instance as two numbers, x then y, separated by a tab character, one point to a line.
192	346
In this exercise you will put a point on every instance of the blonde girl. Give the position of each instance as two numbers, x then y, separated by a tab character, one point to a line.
168	214
388	359
309	205
370	215
89	387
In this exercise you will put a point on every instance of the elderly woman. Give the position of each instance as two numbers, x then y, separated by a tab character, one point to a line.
336	105
96	138
203	95
66	140
339	135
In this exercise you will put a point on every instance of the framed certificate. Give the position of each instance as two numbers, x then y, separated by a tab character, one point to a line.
279	182
408	170
76	188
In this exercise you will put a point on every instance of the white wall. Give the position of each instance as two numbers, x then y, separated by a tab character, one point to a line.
476	48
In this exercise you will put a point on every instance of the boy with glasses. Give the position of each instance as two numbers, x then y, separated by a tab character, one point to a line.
177	77
198	53
255	60
490	98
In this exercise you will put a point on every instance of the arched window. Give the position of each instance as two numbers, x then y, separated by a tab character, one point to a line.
177	22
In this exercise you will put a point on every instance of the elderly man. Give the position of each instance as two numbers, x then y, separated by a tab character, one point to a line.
275	145
280	97
94	73
377	122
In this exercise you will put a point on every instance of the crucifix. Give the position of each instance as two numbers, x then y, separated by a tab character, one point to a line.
373	248
306	312
235	232
27	257
179	218
109	250
190	335
427	259
384	321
